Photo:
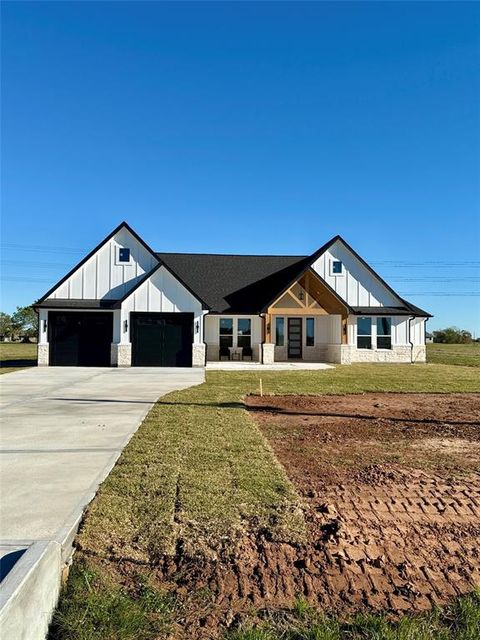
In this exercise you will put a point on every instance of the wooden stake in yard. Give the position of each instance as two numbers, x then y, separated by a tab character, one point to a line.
261	388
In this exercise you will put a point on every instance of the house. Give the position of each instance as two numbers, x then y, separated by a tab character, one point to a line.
125	304
429	338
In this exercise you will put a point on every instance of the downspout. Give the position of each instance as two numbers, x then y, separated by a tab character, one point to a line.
410	338
264	335
204	315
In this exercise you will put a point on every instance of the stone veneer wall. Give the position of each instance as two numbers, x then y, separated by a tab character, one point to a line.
350	353
198	355
43	354
121	355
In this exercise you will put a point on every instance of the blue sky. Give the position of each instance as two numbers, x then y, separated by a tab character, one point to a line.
249	128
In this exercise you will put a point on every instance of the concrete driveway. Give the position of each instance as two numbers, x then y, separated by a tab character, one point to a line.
62	431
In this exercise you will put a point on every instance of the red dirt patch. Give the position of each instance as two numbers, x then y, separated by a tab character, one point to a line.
392	490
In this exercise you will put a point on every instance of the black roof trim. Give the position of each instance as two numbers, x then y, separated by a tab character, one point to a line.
382	311
147	275
94	251
75	303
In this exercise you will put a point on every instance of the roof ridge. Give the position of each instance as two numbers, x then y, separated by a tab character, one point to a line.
232	255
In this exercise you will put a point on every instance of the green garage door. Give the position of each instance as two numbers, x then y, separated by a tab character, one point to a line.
162	339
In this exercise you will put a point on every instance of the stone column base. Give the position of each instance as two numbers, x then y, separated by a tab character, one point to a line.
268	353
43	354
198	355
121	355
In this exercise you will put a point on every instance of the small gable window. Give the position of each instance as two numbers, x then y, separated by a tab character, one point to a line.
124	255
337	267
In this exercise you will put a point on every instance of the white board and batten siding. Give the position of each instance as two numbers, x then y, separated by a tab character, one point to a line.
162	292
356	284
102	276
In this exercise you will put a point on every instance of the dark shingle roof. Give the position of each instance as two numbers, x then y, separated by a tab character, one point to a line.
407	310
234	283
64	303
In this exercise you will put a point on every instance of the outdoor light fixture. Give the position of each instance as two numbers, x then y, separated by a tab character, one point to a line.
268	327
197	326
300	295
125	326
45	326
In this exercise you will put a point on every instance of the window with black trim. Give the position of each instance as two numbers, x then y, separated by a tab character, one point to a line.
226	335
337	267
279	332
124	254
384	333
244	333
364	333
310	332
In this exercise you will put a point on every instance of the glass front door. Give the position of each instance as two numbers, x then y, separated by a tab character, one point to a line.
295	338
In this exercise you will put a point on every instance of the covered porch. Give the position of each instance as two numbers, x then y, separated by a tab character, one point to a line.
304	323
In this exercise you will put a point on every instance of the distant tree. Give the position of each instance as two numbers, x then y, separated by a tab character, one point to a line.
6	325
452	335
25	323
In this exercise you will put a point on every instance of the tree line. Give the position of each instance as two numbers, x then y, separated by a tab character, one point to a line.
20	325
452	335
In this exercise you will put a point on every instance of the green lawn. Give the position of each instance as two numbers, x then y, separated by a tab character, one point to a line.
459	621
461	354
196	473
17	355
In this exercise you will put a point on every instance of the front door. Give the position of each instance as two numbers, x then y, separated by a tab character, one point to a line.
295	338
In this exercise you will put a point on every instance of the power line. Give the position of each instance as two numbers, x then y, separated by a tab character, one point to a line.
40	249
27	263
21	279
468	294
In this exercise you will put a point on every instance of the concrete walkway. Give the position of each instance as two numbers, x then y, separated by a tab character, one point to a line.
62	431
229	365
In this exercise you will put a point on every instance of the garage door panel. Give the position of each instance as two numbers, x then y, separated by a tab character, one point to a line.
162	339
80	339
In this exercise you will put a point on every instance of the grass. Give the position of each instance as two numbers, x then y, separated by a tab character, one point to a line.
196	473
459	621
458	354
94	607
17	355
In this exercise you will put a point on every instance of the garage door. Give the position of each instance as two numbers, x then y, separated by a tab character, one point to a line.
162	339
80	339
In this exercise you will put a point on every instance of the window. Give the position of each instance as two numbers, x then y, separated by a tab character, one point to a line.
244	333
310	339
337	267
364	333
226	335
279	332
384	333
124	254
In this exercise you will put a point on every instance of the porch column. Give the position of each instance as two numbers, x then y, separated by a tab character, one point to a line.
43	348
121	347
